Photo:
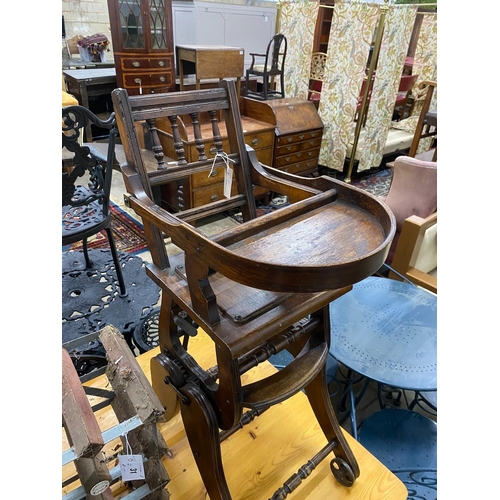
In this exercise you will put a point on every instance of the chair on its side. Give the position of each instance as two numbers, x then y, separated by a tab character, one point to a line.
86	185
415	257
413	191
271	69
256	289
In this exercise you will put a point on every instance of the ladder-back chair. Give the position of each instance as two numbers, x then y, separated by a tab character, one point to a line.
255	289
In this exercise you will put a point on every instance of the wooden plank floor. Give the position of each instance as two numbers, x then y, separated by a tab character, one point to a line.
258	458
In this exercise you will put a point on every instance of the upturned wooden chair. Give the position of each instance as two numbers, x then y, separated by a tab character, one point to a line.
256	289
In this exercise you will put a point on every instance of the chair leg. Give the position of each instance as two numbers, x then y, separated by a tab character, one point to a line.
319	399
116	260
202	432
88	262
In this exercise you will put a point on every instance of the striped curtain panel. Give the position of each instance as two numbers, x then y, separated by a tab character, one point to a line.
351	34
398	27
297	21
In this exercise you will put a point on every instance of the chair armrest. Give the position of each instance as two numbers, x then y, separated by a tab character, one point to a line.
409	246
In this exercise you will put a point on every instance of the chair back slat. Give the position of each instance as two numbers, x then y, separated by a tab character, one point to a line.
172	119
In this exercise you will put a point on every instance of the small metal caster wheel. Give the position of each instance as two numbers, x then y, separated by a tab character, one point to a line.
342	472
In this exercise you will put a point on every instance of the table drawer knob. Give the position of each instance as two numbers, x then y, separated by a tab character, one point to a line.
161	63
214	197
136	64
255	142
213	150
213	173
301	136
162	78
137	80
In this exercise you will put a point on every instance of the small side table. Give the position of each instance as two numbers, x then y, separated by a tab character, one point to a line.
210	61
385	330
83	83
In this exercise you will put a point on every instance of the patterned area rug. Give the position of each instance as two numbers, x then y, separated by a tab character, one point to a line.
377	183
128	233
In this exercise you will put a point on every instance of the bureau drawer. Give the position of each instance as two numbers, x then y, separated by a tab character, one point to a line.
301	167
209	194
201	179
259	140
147	80
288	149
265	156
311	143
146	63
306	155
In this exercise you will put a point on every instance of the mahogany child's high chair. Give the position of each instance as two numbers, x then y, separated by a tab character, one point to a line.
256	289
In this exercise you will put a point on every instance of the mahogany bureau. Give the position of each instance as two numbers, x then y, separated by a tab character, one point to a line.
298	131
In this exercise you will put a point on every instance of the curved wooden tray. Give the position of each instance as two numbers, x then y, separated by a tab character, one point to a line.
341	241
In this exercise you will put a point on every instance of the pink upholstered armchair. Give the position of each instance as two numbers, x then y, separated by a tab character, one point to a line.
413	191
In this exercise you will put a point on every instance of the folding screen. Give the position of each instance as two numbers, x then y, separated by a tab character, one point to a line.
425	66
297	22
351	34
398	26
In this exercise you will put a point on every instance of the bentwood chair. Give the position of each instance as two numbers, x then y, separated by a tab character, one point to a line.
271	69
256	289
86	185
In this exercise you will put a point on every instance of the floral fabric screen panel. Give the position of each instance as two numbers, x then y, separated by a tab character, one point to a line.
398	27
351	34
425	66
297	22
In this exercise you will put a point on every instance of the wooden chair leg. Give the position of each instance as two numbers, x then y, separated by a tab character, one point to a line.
202	432
319	399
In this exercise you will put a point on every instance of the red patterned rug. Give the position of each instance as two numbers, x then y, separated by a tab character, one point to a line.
128	233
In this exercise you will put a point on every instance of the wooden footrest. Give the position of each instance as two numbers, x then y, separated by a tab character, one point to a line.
288	381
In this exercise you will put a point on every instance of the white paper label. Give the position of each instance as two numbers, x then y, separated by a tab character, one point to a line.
132	467
228	181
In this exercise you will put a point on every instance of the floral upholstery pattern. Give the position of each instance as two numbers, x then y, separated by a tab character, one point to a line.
297	21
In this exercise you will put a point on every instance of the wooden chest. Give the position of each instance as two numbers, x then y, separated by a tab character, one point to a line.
298	131
200	189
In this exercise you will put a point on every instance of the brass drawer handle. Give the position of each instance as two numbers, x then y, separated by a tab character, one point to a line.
161	63
255	142
137	80
214	197
289	139
287	158
162	78
301	136
213	173
136	64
